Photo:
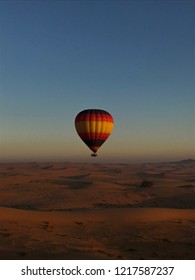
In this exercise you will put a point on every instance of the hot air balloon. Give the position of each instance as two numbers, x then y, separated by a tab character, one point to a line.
94	127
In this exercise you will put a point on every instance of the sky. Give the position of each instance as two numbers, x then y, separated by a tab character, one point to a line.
134	59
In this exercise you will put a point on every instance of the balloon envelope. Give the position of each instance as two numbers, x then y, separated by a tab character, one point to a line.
94	127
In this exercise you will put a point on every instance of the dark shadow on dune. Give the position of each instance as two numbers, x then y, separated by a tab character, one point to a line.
75	185
176	201
58	168
77	177
47	167
10	168
144	175
109	170
69	209
190	180
112	205
5	174
53	167
127	185
186	187
21	206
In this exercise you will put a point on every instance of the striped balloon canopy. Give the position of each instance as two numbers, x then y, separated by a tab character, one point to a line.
94	127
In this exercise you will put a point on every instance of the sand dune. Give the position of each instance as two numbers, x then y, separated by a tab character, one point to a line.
97	211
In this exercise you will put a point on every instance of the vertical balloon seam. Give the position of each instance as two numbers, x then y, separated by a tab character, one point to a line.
88	127
104	118
99	122
89	130
94	126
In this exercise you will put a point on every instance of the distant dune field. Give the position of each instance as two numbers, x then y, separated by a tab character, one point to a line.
97	211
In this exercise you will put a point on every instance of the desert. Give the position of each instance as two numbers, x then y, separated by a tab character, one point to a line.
67	210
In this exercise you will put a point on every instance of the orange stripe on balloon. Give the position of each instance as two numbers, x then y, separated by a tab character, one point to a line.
93	126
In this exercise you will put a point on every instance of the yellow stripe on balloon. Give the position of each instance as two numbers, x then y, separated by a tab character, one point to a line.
94	127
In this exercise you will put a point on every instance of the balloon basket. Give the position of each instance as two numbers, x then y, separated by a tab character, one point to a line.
94	155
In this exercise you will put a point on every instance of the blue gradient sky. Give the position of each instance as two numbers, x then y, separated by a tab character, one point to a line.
134	59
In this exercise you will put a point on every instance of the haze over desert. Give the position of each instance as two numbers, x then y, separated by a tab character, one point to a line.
64	210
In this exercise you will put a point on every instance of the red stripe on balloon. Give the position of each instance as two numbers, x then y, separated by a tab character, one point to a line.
94	117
